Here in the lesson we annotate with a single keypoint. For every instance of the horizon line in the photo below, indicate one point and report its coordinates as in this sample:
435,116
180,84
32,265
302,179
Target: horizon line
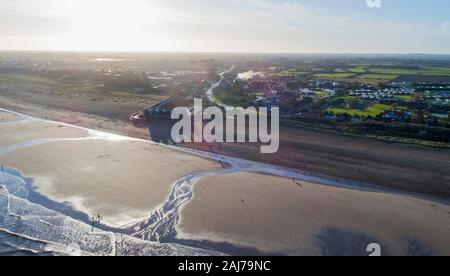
223,52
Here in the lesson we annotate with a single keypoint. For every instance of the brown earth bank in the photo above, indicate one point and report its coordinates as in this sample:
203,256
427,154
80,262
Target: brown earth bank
407,167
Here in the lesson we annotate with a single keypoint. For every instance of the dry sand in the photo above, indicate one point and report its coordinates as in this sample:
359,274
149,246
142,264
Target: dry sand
108,117
8,117
276,215
121,180
12,134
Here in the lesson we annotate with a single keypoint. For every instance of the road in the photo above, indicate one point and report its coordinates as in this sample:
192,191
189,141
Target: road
210,92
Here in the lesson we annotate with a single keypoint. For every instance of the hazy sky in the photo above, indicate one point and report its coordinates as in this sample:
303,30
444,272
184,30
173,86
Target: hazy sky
301,26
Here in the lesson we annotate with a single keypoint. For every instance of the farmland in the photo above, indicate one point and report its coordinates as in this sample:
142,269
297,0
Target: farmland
373,110
427,71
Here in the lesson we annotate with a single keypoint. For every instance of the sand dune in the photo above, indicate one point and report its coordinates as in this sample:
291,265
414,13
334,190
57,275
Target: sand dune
276,215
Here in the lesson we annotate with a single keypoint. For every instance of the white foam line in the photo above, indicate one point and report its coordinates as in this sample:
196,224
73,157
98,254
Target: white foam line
93,133
26,118
44,242
15,122
38,142
60,246
8,199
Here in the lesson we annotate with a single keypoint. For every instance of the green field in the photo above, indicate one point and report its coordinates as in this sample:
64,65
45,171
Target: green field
426,71
378,77
25,78
232,97
347,97
357,70
322,93
404,97
373,110
292,73
333,75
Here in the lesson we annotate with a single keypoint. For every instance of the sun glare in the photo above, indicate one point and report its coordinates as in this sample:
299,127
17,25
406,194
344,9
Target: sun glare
110,24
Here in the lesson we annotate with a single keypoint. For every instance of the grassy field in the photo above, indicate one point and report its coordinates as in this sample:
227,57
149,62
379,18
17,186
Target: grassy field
356,76
378,77
370,74
232,97
404,97
339,70
357,70
60,88
333,75
16,78
427,71
292,73
373,110
322,93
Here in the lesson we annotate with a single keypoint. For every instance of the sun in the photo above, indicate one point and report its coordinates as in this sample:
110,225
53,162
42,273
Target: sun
73,3
109,24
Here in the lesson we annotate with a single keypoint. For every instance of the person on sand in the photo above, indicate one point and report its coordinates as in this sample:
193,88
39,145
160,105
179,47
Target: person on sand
297,183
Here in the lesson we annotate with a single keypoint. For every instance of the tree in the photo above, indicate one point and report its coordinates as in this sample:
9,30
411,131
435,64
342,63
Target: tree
417,97
418,117
352,103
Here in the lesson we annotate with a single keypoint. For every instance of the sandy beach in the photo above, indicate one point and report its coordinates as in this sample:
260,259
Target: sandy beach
276,215
12,134
126,180
8,117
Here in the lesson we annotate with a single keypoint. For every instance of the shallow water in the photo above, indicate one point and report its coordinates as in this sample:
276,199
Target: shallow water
30,229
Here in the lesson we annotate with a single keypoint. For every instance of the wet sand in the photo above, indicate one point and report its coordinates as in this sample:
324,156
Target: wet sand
276,215
121,180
